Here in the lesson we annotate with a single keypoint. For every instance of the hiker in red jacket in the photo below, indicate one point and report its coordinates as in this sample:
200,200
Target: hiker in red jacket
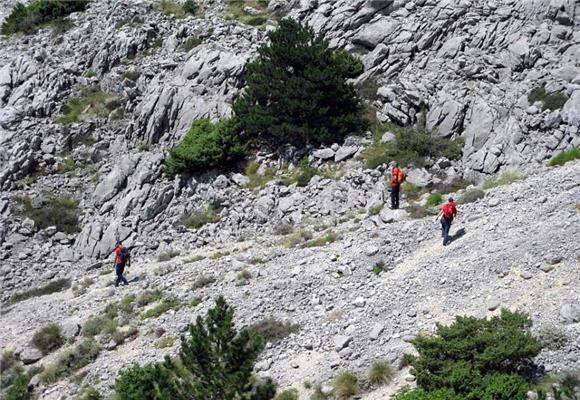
122,259
397,178
447,213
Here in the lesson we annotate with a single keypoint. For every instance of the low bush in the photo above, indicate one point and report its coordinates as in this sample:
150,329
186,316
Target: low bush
297,237
49,288
235,10
345,385
475,359
91,101
380,373
168,255
219,254
565,156
71,360
551,337
560,387
147,297
434,199
46,211
201,217
243,277
167,341
418,212
411,191
505,179
15,384
162,308
302,175
202,281
191,43
272,330
379,267
256,180
90,393
132,75
97,325
48,338
471,196
28,18
288,394
455,185
376,210
193,259
170,7
206,145
550,101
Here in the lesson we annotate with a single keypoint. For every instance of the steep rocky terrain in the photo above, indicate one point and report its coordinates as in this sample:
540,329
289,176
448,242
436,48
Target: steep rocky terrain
465,67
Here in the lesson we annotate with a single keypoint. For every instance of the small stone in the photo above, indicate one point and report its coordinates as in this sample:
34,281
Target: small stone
359,302
493,202
376,331
546,267
341,341
525,275
570,313
493,305
410,378
323,154
30,355
326,390
387,137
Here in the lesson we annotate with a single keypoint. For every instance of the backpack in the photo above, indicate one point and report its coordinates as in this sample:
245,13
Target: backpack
402,176
448,211
125,254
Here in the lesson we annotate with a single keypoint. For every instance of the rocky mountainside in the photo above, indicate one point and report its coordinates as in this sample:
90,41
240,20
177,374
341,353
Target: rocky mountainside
87,117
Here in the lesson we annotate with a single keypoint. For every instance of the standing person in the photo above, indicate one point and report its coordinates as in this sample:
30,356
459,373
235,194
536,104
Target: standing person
122,259
397,178
447,213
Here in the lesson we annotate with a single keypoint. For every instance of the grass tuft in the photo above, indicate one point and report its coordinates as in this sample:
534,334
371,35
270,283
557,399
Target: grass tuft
71,360
49,288
48,338
380,373
471,196
91,101
434,199
346,385
565,156
273,330
505,179
550,101
162,308
201,217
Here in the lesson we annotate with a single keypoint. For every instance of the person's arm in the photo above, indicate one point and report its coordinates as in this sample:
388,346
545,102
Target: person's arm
438,215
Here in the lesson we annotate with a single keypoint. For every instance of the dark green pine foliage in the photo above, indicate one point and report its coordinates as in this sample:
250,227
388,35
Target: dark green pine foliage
219,357
297,90
475,359
149,382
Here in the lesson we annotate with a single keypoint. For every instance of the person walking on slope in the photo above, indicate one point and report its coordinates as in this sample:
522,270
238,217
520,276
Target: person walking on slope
397,178
447,213
122,259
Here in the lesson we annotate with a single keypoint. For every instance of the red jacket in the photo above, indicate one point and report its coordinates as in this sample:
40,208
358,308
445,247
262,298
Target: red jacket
396,177
449,210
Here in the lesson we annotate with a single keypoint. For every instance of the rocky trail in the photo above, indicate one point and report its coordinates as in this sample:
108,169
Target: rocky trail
519,250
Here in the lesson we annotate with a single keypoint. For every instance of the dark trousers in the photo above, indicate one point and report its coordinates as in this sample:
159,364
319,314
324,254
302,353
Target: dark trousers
445,226
395,196
119,269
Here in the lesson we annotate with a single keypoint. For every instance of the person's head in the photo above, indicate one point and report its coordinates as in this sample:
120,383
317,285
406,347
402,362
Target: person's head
119,243
395,164
450,200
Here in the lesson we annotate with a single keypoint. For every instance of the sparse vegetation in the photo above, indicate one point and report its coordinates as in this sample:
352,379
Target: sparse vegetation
380,373
168,255
235,10
330,237
376,210
162,308
67,165
195,302
475,359
302,174
97,325
81,288
45,211
48,338
29,18
288,394
471,196
379,267
191,43
455,185
273,330
345,385
202,281
201,217
214,362
243,277
417,212
551,337
550,101
49,288
170,7
132,75
505,179
565,156
165,342
91,101
206,145
297,237
71,360
147,297
219,254
257,180
193,259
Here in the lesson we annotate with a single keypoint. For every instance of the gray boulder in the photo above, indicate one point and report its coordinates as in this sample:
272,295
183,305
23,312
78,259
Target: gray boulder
30,355
571,110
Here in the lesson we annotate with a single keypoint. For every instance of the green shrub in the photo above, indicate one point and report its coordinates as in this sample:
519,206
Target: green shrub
170,7
191,43
202,281
196,301
288,394
27,19
71,360
215,362
90,393
302,174
132,76
49,288
272,330
434,199
235,10
411,191
190,7
476,358
417,212
345,385
505,179
285,100
376,210
560,387
162,308
46,211
7,361
565,156
205,146
48,338
194,259
296,238
330,237
167,341
148,297
219,254
91,101
17,385
551,337
380,373
455,185
201,217
379,267
550,101
97,325
420,394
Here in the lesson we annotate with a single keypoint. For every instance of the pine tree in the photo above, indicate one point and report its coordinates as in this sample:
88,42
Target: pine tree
297,90
220,358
